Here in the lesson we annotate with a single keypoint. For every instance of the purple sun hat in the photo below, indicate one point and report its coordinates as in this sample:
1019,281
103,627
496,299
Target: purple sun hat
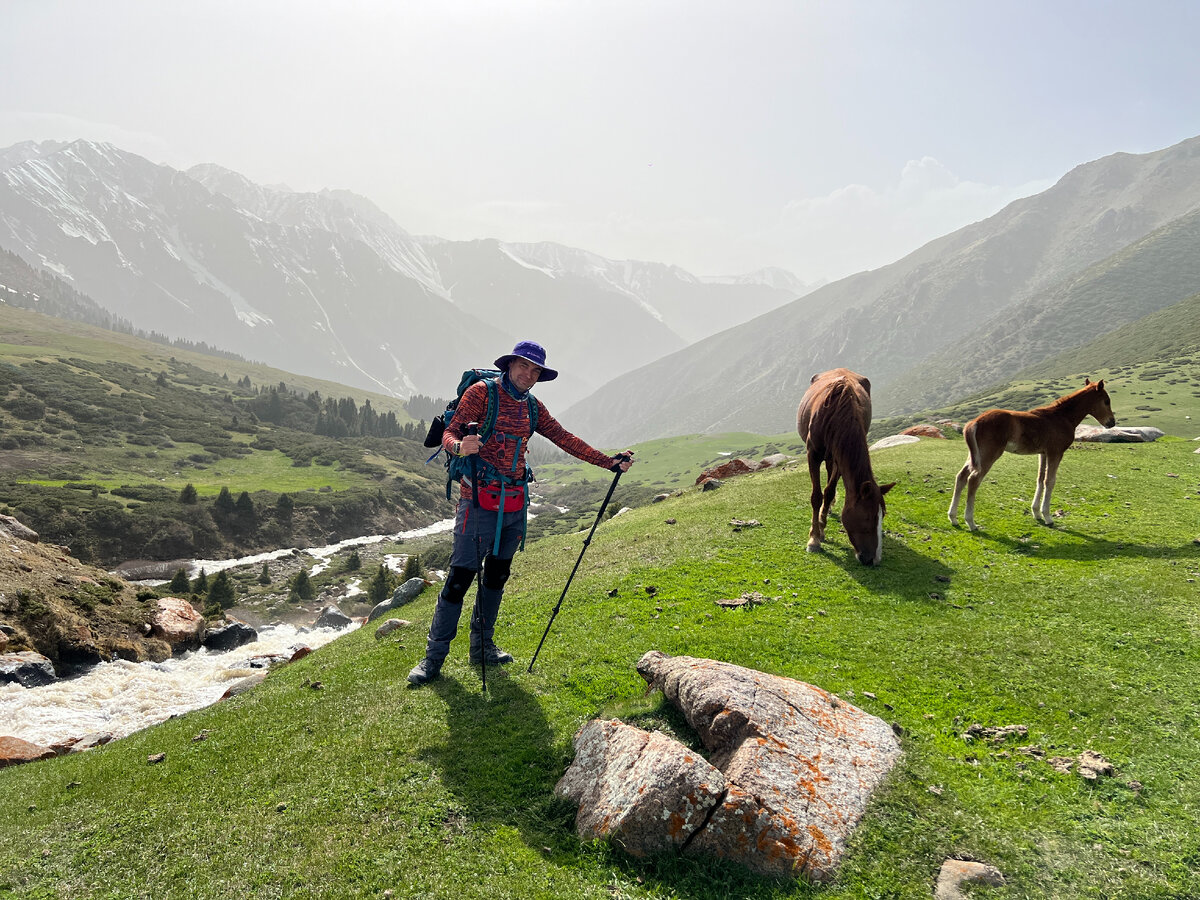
531,351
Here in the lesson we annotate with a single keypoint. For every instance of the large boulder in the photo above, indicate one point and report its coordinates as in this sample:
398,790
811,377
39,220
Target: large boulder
332,617
230,636
644,790
1142,434
796,768
14,751
894,440
177,623
727,469
929,431
406,593
27,669
19,530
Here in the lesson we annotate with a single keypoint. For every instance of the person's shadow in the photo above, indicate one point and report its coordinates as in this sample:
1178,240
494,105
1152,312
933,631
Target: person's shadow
499,760
501,763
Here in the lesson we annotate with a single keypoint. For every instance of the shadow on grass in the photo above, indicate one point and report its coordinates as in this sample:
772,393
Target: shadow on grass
902,571
1041,544
501,764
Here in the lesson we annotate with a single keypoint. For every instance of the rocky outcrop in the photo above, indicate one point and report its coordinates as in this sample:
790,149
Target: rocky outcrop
14,751
644,791
929,431
958,872
1138,435
73,614
727,469
406,593
894,440
790,771
18,530
27,669
229,636
332,617
177,623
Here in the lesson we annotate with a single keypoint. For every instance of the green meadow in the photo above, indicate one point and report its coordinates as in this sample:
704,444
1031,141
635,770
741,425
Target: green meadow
335,779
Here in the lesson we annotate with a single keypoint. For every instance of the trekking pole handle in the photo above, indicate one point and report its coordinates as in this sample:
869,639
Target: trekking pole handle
627,456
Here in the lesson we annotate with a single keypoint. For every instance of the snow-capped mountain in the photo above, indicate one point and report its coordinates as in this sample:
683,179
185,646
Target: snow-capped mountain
329,285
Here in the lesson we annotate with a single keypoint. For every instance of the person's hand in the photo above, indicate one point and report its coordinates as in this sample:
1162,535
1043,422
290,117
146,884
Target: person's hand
469,445
624,460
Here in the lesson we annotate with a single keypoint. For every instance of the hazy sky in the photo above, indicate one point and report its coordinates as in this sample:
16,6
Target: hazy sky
822,137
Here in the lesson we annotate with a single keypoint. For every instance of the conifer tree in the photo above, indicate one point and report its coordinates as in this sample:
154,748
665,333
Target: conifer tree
264,577
412,568
224,502
380,587
200,585
353,561
220,593
188,493
302,587
180,583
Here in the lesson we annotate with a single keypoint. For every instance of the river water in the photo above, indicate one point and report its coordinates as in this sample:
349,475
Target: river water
121,697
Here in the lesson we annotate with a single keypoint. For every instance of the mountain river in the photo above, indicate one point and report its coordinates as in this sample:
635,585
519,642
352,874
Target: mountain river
121,697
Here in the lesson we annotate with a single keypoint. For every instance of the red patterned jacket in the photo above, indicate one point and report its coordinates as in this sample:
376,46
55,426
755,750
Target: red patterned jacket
512,422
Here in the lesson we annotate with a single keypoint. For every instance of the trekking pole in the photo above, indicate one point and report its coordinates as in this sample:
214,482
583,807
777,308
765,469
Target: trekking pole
612,487
477,615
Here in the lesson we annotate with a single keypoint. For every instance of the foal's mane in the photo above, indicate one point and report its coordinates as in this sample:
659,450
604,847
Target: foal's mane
1063,401
844,431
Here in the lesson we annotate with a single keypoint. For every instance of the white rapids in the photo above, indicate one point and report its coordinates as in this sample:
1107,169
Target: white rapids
121,697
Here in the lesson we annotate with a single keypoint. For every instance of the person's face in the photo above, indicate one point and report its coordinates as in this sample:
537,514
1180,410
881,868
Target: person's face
524,374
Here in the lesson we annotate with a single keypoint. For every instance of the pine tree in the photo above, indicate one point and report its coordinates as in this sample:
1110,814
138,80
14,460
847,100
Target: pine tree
188,494
220,592
412,568
180,583
200,585
302,587
380,587
264,577
224,502
353,561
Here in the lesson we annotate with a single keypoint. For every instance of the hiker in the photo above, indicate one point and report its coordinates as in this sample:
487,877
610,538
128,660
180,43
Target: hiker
486,537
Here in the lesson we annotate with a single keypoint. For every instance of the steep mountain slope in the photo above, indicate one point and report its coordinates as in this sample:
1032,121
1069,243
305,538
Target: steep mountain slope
886,321
328,284
1150,274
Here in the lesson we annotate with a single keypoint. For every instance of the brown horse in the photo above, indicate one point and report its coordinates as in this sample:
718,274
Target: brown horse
833,419
1047,431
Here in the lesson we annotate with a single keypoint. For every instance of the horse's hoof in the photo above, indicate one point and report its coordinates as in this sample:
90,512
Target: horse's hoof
813,548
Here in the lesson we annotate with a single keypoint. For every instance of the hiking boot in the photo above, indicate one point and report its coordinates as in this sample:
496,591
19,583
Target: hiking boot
495,656
425,671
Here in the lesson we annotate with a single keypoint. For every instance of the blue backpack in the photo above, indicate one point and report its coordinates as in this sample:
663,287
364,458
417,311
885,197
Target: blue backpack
458,466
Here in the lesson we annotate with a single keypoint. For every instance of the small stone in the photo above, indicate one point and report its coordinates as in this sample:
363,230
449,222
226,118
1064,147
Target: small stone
202,736
155,758
280,807
651,590
670,521
317,686
613,592
935,789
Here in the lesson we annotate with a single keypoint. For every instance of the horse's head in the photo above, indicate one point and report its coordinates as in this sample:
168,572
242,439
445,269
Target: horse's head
1101,404
862,517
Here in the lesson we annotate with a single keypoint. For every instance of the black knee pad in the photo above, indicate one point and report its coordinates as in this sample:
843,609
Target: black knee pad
496,572
457,583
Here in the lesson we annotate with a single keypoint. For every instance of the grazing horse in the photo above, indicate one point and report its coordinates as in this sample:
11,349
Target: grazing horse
833,419
1047,431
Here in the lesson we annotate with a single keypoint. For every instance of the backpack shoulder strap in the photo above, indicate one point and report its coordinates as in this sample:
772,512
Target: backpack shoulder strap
533,414
488,425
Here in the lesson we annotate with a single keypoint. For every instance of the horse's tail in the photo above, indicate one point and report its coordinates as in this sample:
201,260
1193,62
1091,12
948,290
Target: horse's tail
972,446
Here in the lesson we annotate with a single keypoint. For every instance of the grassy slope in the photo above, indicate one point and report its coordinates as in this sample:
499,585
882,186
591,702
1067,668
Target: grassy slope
1086,633
30,335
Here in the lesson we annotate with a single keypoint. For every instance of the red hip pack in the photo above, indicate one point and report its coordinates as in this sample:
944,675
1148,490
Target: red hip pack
489,498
